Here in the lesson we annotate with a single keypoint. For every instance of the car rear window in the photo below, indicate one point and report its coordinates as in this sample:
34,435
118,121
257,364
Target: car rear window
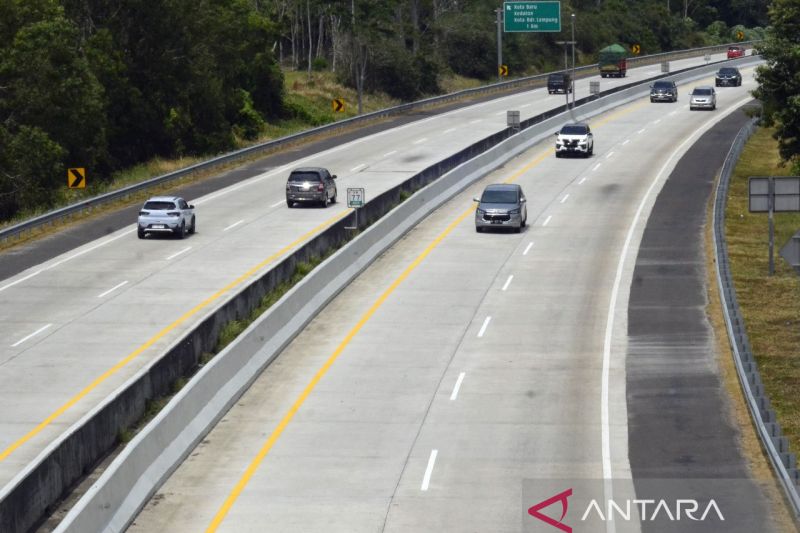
662,85
159,206
304,176
499,197
573,130
702,92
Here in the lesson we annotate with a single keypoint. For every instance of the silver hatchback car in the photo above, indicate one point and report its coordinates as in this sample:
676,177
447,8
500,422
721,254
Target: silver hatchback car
166,214
703,97
501,205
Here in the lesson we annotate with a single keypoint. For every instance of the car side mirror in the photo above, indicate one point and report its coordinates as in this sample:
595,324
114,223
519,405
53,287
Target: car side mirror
476,199
523,200
556,134
191,206
334,176
651,85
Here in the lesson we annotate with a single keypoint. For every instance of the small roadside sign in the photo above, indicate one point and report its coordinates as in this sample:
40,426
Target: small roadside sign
355,197
636,49
76,178
740,35
338,105
503,70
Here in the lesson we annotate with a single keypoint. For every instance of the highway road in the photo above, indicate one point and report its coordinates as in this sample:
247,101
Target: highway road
460,367
76,327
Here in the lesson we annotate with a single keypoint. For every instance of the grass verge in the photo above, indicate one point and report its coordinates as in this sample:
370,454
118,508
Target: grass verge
768,303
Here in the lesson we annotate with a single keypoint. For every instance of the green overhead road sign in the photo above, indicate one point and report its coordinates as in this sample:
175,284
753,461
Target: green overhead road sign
532,16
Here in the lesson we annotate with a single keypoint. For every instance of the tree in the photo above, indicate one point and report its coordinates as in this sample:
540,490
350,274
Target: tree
778,82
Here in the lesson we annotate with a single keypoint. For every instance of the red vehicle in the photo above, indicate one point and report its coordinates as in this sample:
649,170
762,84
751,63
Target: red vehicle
735,51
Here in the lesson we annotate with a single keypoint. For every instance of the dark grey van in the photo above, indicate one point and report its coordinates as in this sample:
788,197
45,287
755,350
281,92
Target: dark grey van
559,82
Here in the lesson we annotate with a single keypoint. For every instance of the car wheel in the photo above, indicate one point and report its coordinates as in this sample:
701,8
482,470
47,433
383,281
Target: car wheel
478,229
518,229
181,231
289,204
140,233
325,200
524,222
335,194
591,150
193,227
558,155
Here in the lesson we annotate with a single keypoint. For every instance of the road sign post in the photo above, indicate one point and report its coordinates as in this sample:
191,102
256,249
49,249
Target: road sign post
769,194
532,16
356,197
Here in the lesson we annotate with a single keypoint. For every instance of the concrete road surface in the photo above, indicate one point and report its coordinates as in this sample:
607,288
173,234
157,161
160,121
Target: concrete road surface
492,364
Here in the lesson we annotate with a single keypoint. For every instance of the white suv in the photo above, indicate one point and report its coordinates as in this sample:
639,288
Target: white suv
166,214
575,139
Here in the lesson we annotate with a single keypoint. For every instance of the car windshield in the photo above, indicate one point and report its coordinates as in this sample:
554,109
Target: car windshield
662,85
573,130
159,205
499,197
702,92
728,71
303,176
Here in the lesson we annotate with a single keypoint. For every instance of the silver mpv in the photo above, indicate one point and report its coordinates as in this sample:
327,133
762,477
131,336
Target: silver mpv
501,206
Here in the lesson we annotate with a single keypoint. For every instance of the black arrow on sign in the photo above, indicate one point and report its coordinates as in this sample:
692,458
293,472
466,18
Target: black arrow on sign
77,178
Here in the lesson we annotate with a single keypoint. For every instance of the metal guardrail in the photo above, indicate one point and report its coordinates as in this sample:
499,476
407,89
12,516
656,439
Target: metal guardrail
18,230
784,462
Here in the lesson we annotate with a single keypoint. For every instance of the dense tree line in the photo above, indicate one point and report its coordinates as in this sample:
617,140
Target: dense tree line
106,84
779,79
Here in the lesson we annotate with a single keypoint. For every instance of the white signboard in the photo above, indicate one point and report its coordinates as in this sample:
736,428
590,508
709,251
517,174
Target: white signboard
355,197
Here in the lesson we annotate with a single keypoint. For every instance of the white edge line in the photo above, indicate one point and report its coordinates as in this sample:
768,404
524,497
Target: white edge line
612,305
527,248
508,282
240,221
41,329
176,254
457,386
20,280
112,289
90,249
426,481
484,326
547,220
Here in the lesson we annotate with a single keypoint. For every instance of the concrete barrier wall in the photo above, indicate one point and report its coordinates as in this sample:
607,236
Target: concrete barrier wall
158,449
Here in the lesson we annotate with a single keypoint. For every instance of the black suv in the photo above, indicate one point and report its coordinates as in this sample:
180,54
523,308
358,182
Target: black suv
728,76
559,82
311,184
664,91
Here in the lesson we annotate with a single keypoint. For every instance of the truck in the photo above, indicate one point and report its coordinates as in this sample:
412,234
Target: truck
612,61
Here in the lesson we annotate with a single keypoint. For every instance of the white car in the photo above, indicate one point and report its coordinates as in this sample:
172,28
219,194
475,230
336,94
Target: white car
575,139
166,214
703,97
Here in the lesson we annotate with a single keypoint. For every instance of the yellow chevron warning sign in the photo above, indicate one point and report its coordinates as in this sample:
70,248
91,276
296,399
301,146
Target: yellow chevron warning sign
338,105
76,178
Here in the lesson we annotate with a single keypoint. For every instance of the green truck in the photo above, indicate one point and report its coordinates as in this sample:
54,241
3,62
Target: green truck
612,61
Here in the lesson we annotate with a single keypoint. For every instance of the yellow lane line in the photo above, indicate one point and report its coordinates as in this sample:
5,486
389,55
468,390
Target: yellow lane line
276,433
158,336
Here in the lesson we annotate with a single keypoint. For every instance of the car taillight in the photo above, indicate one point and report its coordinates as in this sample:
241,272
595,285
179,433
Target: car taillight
173,214
144,213
320,187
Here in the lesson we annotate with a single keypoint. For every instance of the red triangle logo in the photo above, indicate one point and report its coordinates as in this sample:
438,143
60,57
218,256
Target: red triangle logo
561,497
